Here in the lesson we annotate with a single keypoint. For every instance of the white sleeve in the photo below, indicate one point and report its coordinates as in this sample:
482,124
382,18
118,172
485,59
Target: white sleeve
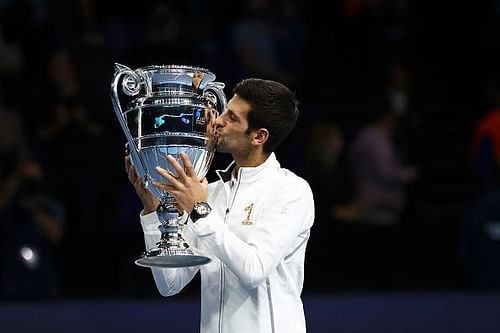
169,281
287,218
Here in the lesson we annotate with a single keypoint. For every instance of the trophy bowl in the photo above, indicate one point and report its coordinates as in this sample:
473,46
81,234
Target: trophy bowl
166,110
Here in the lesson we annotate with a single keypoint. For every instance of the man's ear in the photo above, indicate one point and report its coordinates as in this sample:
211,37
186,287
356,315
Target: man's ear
260,136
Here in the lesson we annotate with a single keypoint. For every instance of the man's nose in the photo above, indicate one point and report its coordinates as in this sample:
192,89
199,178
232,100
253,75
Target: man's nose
219,121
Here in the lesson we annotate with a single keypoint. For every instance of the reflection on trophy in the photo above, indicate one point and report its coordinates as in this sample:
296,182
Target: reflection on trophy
170,110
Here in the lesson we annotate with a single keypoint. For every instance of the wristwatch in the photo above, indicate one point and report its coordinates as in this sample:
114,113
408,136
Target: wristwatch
200,210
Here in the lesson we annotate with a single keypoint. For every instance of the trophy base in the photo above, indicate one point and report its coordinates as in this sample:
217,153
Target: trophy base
172,258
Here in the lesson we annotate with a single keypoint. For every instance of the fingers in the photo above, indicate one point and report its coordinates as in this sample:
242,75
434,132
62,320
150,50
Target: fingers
182,172
133,177
137,183
210,115
127,162
178,169
130,169
188,167
171,179
197,78
174,183
204,182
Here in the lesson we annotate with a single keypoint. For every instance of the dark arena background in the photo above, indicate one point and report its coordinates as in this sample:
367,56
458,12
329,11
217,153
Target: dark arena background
426,259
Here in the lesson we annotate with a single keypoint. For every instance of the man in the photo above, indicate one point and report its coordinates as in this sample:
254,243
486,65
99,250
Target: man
380,175
258,221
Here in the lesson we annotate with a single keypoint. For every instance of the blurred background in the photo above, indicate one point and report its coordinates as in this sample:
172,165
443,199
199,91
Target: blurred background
399,137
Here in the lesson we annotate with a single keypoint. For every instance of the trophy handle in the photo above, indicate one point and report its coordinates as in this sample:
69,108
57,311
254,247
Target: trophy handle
131,86
218,89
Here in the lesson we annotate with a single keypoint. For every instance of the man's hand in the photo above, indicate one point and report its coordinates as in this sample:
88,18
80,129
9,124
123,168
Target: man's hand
186,188
149,201
197,78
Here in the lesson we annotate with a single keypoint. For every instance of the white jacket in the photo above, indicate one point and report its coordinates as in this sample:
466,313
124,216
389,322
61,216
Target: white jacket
256,235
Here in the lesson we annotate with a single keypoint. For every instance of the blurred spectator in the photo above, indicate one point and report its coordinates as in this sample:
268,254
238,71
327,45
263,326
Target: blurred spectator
400,92
379,174
22,45
293,36
30,219
485,144
163,42
374,33
32,226
326,145
10,56
326,173
478,245
14,147
256,39
398,89
69,140
69,109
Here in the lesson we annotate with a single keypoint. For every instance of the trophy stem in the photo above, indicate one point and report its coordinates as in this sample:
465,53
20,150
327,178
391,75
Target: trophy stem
170,220
172,250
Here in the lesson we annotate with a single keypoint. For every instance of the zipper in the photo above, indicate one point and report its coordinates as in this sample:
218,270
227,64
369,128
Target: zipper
221,298
270,302
230,204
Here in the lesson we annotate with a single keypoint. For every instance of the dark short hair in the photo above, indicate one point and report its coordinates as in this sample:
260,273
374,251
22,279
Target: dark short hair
273,107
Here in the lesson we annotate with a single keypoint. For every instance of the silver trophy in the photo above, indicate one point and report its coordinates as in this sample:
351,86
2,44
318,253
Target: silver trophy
170,109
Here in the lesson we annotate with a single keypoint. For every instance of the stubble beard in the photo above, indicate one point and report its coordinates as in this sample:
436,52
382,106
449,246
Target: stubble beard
238,152
221,146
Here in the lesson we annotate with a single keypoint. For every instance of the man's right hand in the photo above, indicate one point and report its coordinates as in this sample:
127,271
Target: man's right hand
149,201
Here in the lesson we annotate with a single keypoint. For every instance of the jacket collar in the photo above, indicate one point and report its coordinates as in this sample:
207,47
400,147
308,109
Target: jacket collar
250,174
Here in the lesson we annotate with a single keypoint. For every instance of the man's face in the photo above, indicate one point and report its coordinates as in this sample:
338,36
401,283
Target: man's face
231,127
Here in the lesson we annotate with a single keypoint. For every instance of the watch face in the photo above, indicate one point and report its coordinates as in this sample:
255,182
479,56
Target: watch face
202,208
